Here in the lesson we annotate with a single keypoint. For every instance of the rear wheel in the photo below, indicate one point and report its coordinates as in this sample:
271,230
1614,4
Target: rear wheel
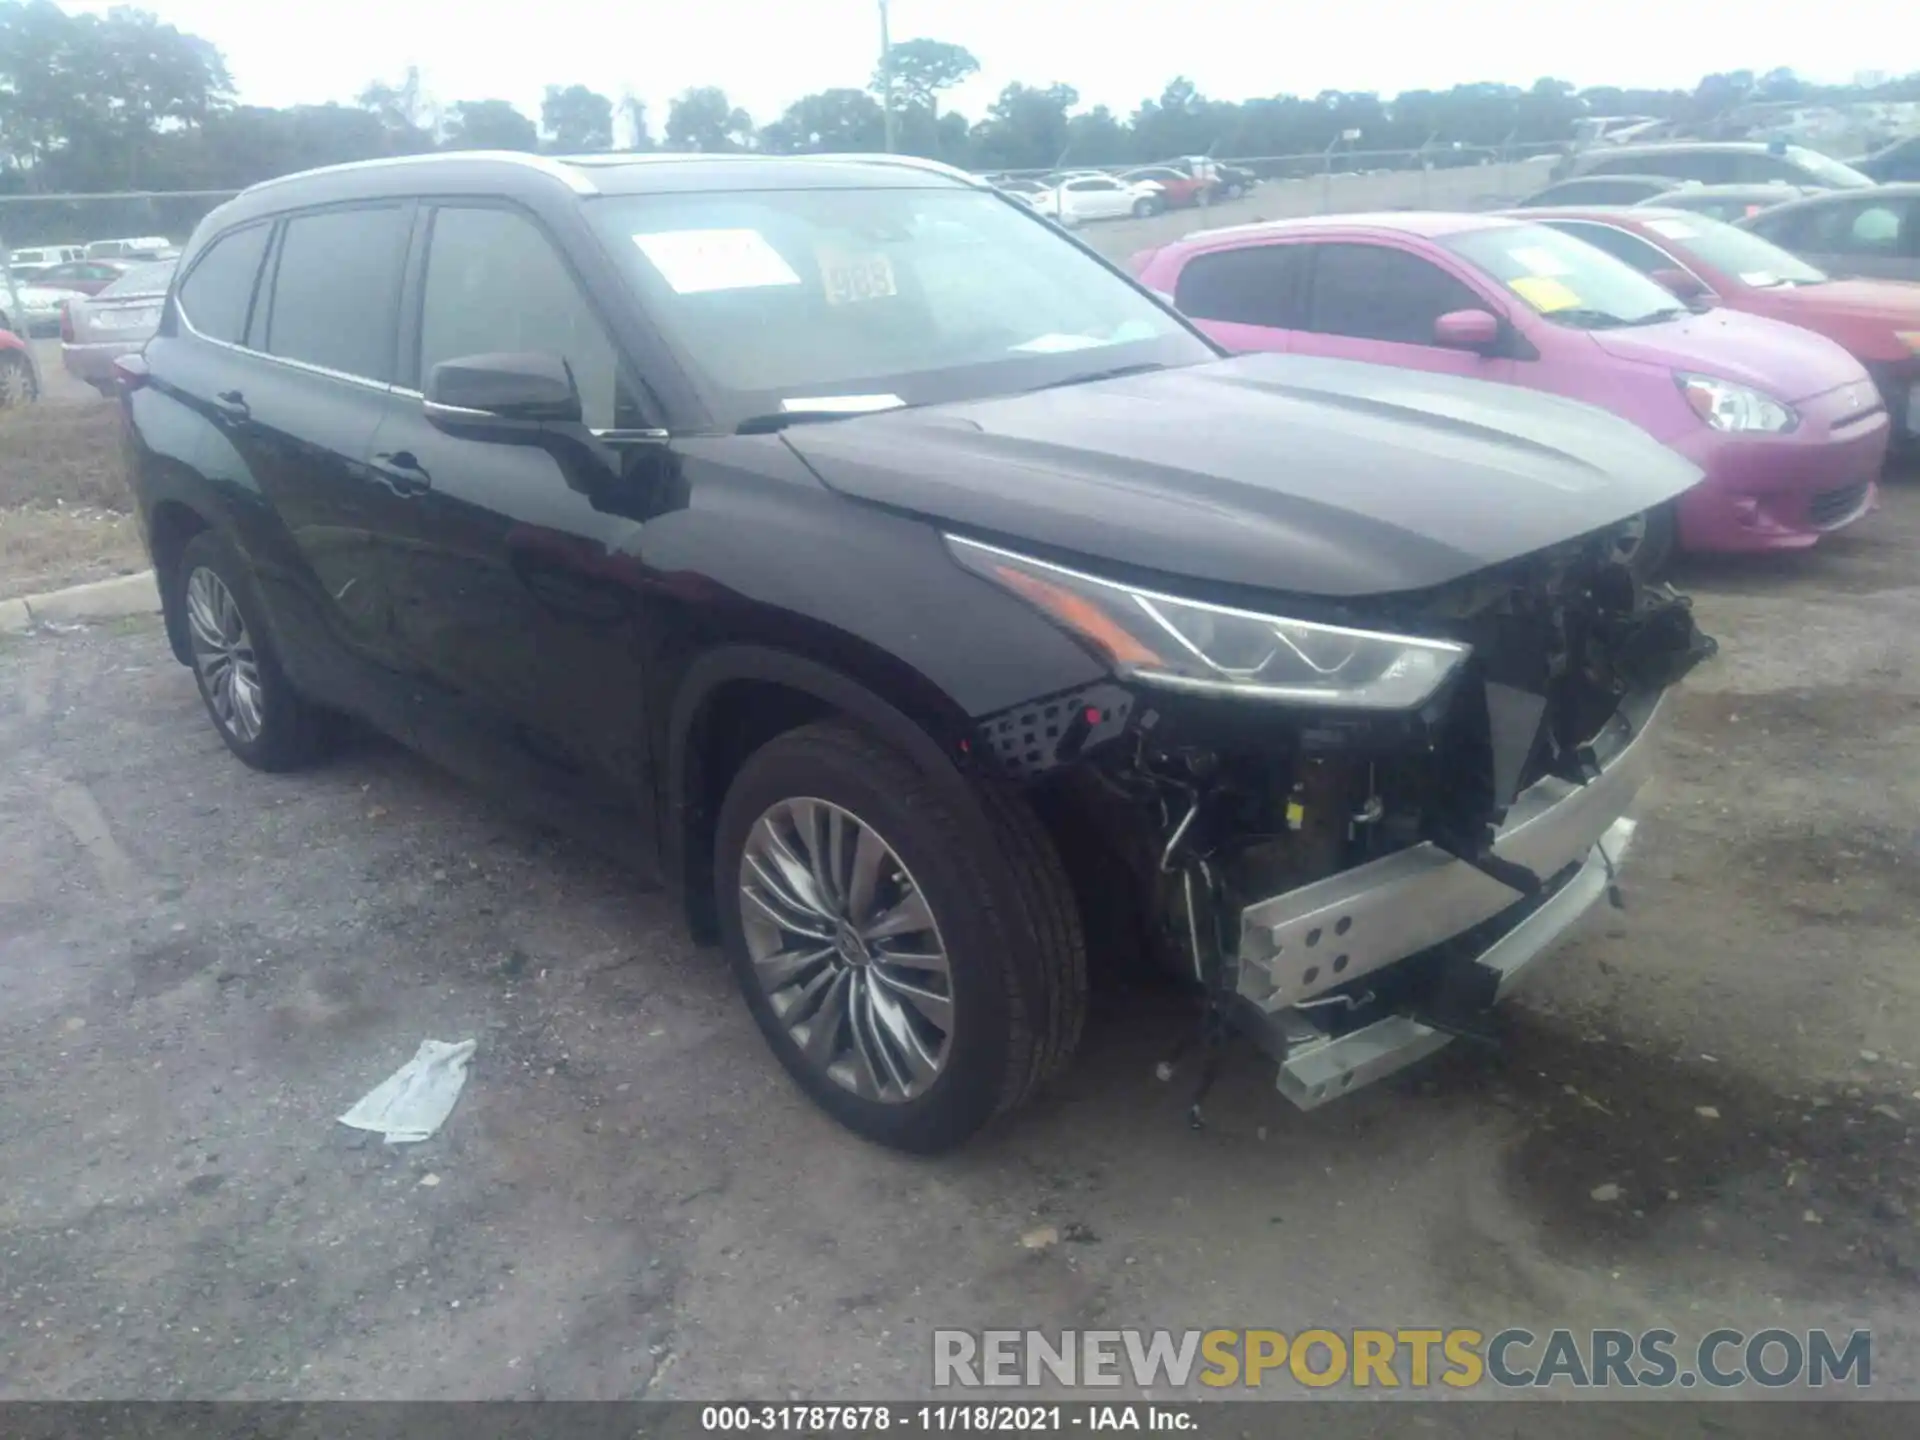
249,699
17,386
913,980
1646,543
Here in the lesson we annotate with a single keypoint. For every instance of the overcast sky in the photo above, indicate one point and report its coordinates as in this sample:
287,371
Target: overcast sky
766,53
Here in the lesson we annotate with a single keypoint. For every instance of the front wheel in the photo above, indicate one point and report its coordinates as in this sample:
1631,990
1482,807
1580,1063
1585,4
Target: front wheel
917,969
17,385
1142,208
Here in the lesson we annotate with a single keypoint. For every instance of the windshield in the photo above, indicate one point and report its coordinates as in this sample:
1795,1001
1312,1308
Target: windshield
1568,281
847,300
1740,253
1827,170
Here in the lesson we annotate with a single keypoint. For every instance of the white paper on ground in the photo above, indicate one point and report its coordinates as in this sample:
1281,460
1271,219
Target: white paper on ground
416,1099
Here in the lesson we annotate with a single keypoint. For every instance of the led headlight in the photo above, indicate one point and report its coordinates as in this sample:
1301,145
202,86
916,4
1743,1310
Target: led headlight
1215,650
1726,406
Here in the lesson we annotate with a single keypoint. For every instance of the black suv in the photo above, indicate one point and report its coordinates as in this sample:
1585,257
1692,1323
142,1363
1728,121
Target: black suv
926,600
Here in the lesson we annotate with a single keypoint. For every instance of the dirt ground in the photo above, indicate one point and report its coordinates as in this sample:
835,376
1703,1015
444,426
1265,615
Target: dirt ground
201,967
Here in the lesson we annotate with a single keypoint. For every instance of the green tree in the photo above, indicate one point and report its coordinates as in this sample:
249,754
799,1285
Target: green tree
489,125
577,120
842,121
1026,128
921,70
702,119
404,111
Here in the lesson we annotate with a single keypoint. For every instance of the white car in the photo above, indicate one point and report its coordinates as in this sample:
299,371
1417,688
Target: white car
138,247
1079,198
39,312
39,257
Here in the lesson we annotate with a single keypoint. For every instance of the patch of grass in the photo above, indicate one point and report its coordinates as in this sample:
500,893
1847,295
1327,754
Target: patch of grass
53,455
45,549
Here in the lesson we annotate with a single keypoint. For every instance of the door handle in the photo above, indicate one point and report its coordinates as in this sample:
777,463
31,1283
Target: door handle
233,405
401,473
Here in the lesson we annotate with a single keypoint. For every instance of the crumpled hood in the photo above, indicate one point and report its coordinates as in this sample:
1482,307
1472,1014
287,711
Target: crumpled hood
1770,356
1290,473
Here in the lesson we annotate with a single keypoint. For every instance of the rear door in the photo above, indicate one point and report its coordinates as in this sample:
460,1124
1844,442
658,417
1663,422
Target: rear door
1247,298
1377,302
293,402
516,567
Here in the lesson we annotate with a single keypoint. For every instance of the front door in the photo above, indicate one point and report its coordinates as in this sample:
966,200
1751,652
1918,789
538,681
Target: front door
518,587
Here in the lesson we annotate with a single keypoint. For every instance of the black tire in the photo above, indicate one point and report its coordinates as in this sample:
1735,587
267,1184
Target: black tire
1005,912
17,385
1648,560
1142,208
293,732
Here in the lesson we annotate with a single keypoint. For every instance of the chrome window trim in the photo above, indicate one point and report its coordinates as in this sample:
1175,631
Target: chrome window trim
303,366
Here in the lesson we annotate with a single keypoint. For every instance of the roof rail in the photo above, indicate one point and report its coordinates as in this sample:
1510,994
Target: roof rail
566,174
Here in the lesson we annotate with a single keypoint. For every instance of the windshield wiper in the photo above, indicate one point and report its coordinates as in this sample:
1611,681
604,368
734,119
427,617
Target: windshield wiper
1582,318
1655,317
1088,377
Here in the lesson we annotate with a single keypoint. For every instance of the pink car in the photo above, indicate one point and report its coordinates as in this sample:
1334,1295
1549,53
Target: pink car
1786,425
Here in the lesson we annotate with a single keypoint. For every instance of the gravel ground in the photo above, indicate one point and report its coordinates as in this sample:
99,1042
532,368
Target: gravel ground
201,967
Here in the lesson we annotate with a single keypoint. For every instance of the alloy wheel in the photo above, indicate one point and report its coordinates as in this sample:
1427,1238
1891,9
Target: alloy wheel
223,654
16,383
846,950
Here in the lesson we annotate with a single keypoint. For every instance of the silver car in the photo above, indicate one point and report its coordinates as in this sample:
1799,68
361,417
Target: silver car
98,329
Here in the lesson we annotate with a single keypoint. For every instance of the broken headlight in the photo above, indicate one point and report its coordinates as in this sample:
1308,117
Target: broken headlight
1214,650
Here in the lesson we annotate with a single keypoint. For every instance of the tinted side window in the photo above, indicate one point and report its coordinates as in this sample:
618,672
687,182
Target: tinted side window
218,292
336,290
495,283
1642,256
1253,286
1759,169
1373,292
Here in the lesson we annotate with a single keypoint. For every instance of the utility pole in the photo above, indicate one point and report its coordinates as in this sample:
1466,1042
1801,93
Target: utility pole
886,76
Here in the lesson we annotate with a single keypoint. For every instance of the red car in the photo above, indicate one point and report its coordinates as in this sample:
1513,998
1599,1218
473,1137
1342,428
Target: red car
1704,261
17,385
89,277
1178,187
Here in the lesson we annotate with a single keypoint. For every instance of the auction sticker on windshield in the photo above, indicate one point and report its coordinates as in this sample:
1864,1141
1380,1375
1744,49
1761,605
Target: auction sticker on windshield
696,261
1544,293
850,278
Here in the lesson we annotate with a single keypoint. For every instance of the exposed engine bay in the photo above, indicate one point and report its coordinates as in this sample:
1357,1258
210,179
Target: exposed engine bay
1209,833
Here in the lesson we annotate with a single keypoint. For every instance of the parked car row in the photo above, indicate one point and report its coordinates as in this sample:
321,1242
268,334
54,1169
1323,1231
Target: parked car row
1783,386
1075,196
44,291
31,262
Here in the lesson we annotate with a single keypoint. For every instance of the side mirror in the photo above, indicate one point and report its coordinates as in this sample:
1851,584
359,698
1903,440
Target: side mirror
500,397
1467,330
1679,284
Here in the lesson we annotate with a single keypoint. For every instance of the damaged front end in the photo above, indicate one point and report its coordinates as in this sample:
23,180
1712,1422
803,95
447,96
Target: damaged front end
1357,833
